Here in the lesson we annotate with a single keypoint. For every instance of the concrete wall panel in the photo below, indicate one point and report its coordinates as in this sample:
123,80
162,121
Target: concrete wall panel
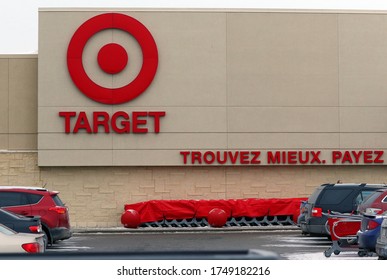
23,77
283,119
282,59
4,95
23,142
363,119
363,63
284,141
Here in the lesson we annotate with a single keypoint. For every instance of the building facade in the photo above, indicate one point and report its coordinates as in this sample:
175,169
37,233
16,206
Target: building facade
123,106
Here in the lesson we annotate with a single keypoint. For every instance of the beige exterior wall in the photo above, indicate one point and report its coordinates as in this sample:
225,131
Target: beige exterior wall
19,104
227,80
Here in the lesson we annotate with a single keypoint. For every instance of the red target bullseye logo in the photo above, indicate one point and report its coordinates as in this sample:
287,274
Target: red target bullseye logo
112,58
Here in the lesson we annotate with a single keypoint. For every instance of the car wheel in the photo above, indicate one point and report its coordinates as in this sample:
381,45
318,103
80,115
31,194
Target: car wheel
327,253
362,253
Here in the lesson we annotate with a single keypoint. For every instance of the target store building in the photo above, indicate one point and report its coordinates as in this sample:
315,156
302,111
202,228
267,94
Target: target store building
124,106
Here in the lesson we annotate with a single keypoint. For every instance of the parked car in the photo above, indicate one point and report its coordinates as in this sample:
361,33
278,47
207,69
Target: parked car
13,242
381,243
20,223
372,210
375,204
339,198
368,233
34,201
301,217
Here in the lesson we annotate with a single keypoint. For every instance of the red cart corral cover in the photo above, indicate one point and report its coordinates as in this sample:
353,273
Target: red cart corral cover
158,210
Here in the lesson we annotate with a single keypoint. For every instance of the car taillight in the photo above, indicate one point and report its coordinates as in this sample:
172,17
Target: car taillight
36,228
372,225
31,247
316,212
59,209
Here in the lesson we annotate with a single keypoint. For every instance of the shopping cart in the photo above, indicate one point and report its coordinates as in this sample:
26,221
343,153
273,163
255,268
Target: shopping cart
343,229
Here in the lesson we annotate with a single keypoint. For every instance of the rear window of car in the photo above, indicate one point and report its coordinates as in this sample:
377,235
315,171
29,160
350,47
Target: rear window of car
57,200
13,199
34,198
334,196
313,197
370,199
364,195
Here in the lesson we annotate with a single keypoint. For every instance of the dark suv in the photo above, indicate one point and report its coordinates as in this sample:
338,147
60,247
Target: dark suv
342,198
33,201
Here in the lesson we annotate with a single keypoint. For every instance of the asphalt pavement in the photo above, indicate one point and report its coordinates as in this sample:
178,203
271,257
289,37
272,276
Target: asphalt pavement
286,241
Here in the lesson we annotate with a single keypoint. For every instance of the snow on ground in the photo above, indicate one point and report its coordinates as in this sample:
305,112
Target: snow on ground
320,256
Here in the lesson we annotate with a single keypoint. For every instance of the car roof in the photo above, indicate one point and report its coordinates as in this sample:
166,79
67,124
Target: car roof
365,185
381,191
23,188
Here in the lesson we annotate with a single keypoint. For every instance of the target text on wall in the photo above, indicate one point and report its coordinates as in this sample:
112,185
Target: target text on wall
120,122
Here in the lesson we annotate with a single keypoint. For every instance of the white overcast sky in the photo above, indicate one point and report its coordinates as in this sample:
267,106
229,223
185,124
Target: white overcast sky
19,18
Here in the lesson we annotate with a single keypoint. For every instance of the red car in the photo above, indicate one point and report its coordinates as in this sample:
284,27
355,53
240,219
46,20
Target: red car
33,201
375,204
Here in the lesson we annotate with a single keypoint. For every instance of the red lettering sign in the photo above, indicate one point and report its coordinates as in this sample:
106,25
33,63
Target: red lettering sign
281,157
120,122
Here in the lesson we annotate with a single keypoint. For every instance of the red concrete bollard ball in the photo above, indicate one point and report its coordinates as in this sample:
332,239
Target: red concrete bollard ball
217,217
130,219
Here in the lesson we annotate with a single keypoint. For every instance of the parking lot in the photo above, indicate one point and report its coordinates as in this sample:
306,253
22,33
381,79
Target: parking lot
288,244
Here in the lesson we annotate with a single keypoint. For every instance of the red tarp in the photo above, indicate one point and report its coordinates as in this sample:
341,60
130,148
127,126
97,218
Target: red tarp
158,210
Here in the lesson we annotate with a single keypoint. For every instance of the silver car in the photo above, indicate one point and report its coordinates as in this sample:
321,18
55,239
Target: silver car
13,242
